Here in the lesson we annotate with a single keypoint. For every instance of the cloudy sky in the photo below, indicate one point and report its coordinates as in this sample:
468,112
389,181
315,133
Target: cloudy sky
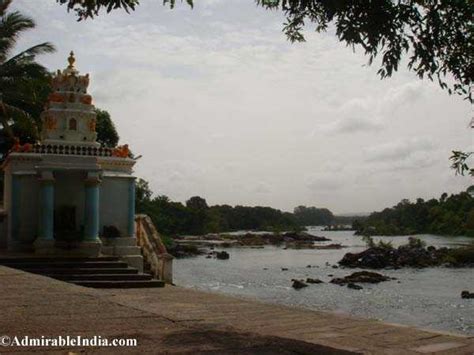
222,106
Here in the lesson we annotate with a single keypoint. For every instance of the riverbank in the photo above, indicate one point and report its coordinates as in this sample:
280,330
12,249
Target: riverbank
178,320
186,246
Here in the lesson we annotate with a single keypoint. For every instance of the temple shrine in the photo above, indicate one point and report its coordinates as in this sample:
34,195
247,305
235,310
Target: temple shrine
68,195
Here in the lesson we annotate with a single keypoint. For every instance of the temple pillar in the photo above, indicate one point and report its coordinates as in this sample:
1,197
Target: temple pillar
46,221
91,208
45,243
15,205
131,208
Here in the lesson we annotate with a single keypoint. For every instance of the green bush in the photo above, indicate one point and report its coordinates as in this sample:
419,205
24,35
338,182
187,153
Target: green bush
167,241
416,242
463,255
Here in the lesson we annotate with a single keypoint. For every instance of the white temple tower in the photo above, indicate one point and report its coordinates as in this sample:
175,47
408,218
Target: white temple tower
69,117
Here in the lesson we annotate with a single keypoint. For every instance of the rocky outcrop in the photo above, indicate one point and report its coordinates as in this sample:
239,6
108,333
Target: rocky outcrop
222,255
329,246
298,284
408,255
361,277
295,240
184,250
302,236
354,286
313,281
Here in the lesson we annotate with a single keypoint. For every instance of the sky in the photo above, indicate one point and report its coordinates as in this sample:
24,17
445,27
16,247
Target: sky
221,105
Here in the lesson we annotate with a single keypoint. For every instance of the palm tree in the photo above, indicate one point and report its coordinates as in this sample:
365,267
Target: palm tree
24,83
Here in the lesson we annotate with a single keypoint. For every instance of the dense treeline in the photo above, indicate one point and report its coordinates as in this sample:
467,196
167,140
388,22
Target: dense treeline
450,215
196,217
312,216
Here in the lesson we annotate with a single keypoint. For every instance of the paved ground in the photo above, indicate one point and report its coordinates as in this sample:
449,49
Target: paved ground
176,320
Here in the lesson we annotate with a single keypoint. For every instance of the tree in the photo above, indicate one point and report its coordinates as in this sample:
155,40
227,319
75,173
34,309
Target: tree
459,162
106,133
143,194
24,84
312,216
197,203
450,215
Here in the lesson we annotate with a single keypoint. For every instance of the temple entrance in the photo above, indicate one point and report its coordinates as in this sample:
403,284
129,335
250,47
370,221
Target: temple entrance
65,227
69,205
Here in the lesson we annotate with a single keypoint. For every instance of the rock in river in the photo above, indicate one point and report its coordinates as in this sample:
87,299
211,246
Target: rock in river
354,286
222,255
329,246
313,281
298,284
362,277
467,294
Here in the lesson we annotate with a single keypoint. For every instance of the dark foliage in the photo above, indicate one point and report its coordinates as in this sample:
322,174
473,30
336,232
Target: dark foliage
453,215
24,83
307,216
196,217
106,133
459,162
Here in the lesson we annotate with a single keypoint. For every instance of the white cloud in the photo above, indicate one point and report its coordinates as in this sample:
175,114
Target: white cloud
221,105
324,182
399,150
262,188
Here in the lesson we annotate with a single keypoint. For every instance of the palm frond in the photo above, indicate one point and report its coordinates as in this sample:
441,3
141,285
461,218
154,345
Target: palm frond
11,26
4,6
20,66
23,121
30,53
16,74
24,83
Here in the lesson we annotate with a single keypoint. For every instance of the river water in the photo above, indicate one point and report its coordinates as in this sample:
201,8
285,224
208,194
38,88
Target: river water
429,298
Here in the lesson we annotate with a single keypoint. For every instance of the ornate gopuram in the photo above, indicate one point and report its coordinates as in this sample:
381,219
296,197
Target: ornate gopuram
68,195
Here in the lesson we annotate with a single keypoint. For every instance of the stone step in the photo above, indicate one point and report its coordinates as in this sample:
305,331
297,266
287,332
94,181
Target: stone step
82,271
101,272
99,277
19,260
66,264
121,241
120,284
121,250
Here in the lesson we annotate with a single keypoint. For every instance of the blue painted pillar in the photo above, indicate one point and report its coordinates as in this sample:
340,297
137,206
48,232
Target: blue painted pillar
15,207
91,208
46,222
46,205
131,208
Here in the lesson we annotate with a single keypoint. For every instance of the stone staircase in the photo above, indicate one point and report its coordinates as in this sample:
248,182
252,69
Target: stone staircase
98,272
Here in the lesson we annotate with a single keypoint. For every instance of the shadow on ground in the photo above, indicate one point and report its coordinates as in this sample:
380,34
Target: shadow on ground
231,342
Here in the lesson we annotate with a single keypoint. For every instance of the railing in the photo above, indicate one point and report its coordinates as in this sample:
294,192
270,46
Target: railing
64,149
153,249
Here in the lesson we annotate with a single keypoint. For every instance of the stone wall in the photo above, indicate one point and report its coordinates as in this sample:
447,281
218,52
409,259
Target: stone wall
114,196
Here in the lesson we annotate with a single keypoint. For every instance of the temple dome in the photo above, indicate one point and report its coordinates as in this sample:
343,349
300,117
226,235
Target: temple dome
69,116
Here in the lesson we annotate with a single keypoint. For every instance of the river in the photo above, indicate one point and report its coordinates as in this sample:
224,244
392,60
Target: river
428,298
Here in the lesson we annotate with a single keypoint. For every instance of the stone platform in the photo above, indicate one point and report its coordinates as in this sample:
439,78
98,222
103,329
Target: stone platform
177,320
